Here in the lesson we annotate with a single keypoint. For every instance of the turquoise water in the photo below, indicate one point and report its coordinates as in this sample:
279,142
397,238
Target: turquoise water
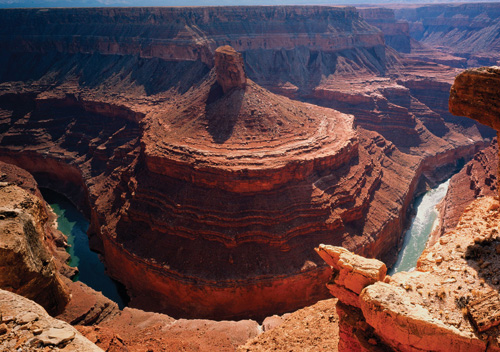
91,270
421,227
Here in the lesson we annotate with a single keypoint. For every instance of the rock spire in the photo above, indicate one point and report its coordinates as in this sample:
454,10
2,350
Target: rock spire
229,68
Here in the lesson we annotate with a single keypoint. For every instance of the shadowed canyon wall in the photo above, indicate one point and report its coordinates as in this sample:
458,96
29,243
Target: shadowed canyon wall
206,198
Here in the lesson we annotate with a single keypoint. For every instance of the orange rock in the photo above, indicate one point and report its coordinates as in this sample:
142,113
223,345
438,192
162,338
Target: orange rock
229,68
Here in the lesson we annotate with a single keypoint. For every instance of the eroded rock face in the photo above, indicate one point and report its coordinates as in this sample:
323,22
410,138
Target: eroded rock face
464,31
427,309
475,94
478,178
26,265
396,33
229,68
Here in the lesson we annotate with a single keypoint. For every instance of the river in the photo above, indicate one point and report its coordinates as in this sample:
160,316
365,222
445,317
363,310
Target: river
91,270
422,224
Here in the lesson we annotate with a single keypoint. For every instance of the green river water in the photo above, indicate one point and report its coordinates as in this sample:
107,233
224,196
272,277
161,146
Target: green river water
421,227
91,270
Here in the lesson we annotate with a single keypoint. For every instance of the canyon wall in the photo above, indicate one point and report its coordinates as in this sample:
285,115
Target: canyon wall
468,31
206,199
450,302
477,179
26,265
328,39
396,33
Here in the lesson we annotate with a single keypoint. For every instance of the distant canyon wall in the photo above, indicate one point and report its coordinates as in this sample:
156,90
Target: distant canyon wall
279,43
469,30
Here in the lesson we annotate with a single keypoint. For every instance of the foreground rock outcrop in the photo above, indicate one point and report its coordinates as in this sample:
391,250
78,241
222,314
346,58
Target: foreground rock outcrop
26,326
430,309
475,94
26,265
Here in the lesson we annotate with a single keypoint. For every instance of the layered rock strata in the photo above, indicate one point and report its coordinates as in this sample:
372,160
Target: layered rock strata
464,31
202,193
477,179
396,32
325,36
475,94
450,302
89,311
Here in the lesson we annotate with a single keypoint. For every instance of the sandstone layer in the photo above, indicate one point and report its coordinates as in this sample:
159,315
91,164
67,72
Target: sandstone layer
434,308
450,302
89,311
199,194
313,328
475,94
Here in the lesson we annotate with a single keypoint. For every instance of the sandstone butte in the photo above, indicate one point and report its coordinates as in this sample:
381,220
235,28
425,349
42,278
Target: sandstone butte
207,192
451,301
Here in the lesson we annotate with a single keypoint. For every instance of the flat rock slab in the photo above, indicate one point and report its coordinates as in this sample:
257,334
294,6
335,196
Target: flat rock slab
56,336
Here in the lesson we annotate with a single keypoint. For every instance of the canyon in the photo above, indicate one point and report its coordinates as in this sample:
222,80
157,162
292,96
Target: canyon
450,302
214,148
466,34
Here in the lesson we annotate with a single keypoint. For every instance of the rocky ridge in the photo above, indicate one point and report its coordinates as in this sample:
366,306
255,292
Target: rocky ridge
477,179
396,32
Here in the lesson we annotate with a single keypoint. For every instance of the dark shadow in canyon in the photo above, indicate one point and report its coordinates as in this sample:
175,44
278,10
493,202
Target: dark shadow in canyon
117,72
222,111
483,257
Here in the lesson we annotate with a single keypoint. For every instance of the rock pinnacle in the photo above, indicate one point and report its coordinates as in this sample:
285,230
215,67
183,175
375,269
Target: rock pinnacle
229,68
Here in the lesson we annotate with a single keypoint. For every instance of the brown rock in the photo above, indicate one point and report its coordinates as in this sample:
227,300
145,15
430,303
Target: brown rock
56,336
407,325
55,333
229,68
26,266
197,197
475,94
271,322
312,328
485,311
